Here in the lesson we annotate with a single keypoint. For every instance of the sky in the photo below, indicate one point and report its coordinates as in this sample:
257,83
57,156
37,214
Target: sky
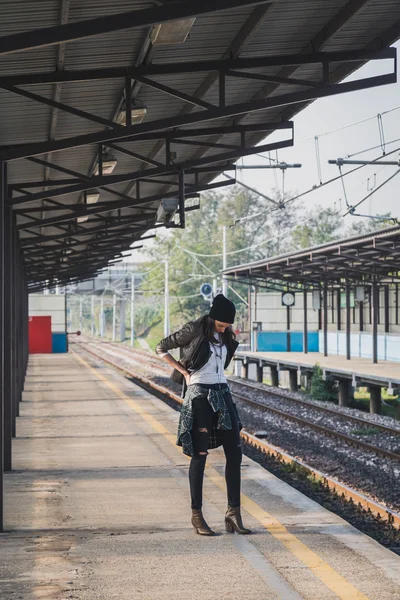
325,119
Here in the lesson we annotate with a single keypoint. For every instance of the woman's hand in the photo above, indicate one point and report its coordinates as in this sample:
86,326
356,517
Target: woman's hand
187,377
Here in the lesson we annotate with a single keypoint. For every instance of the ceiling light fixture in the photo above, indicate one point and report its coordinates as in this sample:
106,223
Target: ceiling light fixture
138,112
92,197
172,32
109,164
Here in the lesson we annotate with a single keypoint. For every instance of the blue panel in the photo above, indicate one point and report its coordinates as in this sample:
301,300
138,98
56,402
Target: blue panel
296,341
276,341
272,341
59,342
313,341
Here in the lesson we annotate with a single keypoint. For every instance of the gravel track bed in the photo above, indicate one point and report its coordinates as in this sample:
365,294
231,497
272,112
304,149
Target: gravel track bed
334,422
375,476
379,419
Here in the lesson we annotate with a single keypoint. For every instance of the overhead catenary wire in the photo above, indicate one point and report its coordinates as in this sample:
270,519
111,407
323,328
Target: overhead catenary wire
352,208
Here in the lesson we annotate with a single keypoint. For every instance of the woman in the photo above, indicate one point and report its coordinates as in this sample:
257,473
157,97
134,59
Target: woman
208,417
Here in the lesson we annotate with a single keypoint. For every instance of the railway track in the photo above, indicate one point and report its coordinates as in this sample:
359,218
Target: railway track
282,414
354,496
323,409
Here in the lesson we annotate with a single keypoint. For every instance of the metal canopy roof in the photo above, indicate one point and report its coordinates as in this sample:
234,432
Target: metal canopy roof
244,70
363,260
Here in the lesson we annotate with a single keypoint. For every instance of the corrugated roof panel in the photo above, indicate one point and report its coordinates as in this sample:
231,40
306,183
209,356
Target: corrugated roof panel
287,27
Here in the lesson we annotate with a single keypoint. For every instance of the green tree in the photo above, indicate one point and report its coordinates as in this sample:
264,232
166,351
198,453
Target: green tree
365,226
320,225
195,253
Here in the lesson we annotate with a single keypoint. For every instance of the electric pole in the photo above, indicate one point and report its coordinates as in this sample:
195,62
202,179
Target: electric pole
132,310
166,301
224,279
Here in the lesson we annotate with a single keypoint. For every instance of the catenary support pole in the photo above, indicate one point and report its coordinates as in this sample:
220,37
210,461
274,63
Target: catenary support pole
132,309
122,315
101,316
92,323
166,300
80,313
224,263
114,321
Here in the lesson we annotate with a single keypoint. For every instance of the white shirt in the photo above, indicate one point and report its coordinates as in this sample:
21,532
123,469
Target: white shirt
213,370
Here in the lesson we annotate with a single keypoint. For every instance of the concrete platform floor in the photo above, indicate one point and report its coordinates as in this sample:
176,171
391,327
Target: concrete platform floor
98,508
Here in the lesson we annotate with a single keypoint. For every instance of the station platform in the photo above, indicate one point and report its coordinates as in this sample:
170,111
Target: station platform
360,370
97,508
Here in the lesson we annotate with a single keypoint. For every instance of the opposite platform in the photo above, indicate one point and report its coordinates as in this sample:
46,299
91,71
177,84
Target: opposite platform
98,508
361,370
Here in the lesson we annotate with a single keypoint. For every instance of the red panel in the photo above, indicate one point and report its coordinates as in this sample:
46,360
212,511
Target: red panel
40,341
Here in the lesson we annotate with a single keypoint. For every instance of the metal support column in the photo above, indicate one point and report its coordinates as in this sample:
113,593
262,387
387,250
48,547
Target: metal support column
325,301
339,309
7,343
288,329
305,324
348,323
386,308
361,315
2,229
375,310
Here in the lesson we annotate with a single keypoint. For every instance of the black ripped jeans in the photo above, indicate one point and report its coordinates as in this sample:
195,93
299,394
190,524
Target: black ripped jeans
204,421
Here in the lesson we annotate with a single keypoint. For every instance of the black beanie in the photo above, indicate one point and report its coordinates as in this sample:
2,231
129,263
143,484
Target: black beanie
222,310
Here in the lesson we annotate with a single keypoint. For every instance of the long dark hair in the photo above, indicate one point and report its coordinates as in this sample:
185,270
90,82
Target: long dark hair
209,331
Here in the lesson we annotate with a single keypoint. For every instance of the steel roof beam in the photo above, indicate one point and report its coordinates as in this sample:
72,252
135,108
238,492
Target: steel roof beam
49,36
64,107
112,206
207,66
80,176
84,231
100,181
199,116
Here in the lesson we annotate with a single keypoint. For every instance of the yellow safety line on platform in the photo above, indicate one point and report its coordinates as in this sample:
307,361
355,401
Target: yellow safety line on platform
321,569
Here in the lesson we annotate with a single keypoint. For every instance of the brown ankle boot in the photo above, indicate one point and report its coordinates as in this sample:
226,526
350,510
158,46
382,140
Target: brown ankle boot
233,521
199,523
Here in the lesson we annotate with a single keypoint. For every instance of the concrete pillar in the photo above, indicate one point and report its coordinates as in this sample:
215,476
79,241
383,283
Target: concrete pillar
260,372
375,400
293,380
274,376
344,396
245,370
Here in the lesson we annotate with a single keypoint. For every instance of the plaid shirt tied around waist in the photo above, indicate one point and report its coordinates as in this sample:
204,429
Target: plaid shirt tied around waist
217,399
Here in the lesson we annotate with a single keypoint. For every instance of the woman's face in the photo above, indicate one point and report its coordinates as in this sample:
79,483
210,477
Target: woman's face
220,326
